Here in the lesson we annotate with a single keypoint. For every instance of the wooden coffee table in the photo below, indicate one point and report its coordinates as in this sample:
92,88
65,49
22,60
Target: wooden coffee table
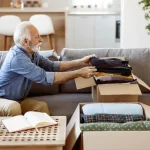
48,138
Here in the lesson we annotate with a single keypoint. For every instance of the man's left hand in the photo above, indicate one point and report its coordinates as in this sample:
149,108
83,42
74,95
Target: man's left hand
86,60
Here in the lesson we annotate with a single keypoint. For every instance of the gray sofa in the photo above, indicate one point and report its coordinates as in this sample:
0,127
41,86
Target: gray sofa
63,99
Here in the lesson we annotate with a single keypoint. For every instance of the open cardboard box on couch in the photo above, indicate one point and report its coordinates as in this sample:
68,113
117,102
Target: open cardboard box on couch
118,92
106,140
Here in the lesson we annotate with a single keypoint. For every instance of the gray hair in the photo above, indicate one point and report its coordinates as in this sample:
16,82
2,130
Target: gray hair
22,32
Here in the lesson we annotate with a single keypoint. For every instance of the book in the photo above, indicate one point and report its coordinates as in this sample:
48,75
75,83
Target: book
30,120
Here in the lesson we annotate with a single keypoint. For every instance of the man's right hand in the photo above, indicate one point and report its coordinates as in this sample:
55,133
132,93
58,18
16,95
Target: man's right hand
87,72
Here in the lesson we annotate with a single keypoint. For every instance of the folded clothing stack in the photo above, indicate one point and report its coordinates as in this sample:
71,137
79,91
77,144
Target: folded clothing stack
111,65
105,126
117,118
104,78
112,70
112,112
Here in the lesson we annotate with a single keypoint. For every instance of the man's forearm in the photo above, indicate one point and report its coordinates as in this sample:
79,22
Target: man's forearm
66,65
61,77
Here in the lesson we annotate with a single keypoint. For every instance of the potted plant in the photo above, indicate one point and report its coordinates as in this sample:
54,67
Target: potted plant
146,8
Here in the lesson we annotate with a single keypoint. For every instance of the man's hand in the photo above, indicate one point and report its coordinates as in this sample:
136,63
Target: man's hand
87,72
86,60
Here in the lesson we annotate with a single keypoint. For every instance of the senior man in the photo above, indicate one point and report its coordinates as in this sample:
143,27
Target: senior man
23,64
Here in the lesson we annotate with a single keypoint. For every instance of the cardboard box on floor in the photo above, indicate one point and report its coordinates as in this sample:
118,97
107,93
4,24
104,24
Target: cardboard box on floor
106,140
121,92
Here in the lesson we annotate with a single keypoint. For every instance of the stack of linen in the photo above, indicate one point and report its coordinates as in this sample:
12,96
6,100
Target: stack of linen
112,70
113,117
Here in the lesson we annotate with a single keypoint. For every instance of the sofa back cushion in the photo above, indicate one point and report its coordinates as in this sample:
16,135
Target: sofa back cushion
70,87
39,89
138,58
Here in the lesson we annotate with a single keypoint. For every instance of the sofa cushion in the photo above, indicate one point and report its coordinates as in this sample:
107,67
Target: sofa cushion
138,58
64,104
70,87
50,54
40,90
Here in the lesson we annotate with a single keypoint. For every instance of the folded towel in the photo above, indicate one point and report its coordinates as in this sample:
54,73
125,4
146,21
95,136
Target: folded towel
107,126
112,108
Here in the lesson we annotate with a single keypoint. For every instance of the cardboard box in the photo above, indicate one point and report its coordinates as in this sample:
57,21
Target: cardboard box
106,140
121,92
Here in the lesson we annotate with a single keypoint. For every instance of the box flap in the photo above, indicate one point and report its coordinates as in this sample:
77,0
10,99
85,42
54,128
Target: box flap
84,83
146,110
119,89
73,130
141,82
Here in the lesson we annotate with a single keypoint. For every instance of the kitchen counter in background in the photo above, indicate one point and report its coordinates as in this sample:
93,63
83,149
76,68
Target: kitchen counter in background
92,28
37,9
92,12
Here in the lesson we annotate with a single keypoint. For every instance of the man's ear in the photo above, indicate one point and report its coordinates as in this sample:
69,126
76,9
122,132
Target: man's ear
26,42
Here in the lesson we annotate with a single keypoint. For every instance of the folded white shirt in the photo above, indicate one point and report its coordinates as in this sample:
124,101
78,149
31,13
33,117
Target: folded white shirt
112,108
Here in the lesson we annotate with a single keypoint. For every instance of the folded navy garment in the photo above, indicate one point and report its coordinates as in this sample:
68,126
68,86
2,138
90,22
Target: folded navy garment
111,65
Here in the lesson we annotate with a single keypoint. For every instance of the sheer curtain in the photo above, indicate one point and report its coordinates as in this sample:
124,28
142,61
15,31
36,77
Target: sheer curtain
91,2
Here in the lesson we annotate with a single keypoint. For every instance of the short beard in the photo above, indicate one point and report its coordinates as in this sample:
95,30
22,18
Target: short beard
34,48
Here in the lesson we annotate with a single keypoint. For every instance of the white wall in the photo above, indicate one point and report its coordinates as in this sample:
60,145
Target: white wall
55,4
133,32
116,5
59,3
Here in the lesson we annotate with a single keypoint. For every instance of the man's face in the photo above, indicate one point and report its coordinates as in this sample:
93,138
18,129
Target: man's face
36,39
